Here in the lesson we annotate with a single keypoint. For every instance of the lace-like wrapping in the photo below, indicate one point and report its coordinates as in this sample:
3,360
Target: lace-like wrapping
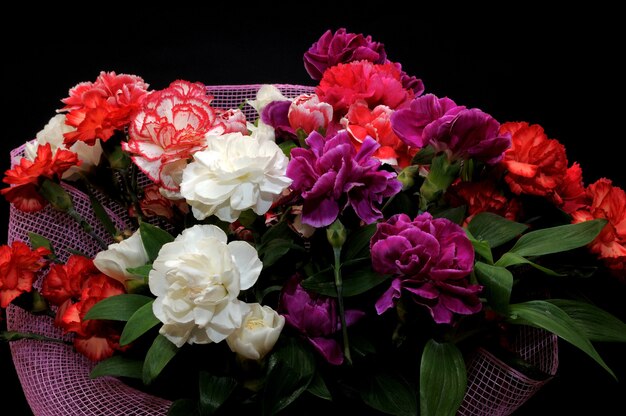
55,378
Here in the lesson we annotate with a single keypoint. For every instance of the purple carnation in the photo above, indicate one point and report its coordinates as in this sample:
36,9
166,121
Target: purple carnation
431,260
275,114
315,317
341,47
331,175
470,133
409,123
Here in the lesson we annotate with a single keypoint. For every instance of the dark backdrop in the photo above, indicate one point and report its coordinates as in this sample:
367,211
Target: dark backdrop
561,71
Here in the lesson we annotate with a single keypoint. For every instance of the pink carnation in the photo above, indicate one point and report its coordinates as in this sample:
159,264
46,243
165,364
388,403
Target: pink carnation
170,127
376,84
306,112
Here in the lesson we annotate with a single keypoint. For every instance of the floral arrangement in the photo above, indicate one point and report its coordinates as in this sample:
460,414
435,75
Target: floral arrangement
344,247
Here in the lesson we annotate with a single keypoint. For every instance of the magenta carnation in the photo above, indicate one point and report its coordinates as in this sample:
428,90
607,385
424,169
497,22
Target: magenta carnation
315,317
331,175
469,133
431,260
409,123
340,48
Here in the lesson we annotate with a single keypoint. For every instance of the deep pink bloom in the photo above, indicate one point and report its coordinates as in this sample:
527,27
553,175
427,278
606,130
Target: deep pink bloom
409,123
340,48
316,317
331,175
376,84
276,114
431,260
470,133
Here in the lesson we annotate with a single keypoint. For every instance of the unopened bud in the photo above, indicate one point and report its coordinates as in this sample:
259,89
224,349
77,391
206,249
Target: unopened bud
336,234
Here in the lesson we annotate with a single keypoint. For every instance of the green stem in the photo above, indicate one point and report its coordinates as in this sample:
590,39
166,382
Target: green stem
342,312
131,189
10,336
86,227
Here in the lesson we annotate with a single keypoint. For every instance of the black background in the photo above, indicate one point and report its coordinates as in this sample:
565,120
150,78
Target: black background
560,70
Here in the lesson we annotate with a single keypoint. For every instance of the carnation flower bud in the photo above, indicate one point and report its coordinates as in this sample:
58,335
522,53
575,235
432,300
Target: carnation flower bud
407,176
336,234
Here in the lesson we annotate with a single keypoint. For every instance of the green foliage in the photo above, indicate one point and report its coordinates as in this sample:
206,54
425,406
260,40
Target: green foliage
117,308
390,394
153,238
160,353
118,366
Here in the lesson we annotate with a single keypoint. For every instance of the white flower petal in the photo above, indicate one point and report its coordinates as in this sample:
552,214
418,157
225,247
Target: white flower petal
247,260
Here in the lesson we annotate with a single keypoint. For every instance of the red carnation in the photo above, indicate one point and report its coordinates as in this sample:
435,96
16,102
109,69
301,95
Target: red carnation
608,202
97,109
65,281
536,165
18,265
483,196
26,177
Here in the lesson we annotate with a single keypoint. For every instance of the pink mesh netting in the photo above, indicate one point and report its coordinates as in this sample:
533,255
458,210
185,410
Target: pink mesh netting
55,378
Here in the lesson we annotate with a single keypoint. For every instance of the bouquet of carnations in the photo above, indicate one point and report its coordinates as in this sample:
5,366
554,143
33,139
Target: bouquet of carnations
284,248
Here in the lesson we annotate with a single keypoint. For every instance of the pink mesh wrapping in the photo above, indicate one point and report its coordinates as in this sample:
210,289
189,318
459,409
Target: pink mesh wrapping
55,378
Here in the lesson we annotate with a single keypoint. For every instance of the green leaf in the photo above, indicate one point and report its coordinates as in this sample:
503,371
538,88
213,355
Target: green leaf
481,248
597,324
117,308
443,379
102,216
138,324
424,156
494,229
390,394
512,259
56,195
354,283
184,407
558,239
287,146
118,366
153,239
542,314
141,271
291,370
456,214
498,283
276,249
358,243
37,241
214,391
159,354
318,388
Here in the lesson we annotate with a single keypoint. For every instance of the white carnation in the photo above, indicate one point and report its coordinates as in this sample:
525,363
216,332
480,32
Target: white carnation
196,279
266,94
234,173
53,133
258,334
118,257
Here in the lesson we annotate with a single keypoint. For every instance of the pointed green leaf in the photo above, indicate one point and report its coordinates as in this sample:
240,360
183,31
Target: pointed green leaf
214,391
545,315
597,324
456,214
354,283
498,283
276,249
291,370
184,407
118,366
159,354
481,248
56,195
37,241
287,146
153,238
358,243
558,239
494,229
117,308
102,215
318,388
390,394
512,259
138,324
443,379
141,271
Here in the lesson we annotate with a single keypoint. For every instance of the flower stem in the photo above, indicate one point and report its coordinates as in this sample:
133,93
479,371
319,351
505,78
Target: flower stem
342,313
86,227
9,336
